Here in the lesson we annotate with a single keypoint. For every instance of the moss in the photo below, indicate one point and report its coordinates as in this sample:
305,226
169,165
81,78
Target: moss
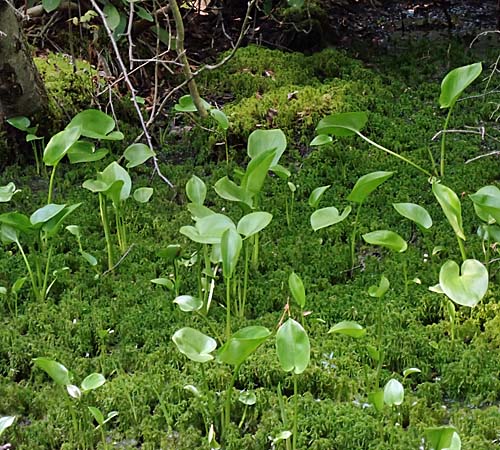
71,84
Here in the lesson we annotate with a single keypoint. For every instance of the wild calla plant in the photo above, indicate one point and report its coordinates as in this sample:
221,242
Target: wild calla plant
115,184
34,238
294,351
452,87
7,192
62,377
443,438
23,123
350,124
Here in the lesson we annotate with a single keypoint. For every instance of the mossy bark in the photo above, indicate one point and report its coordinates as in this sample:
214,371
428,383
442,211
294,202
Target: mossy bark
21,88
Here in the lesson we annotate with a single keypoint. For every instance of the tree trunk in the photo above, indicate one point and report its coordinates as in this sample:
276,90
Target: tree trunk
21,88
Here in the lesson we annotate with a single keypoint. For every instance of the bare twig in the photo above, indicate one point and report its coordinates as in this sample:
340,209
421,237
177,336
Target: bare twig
131,89
497,152
480,131
119,261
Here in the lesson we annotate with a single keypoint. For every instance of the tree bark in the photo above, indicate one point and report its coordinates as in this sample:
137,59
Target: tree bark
21,88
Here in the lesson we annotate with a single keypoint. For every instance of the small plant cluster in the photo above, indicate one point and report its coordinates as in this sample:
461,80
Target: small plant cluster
224,260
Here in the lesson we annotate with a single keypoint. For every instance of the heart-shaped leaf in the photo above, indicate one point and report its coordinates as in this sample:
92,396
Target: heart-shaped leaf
321,139
59,145
443,438
187,303
487,204
297,289
293,347
22,123
467,288
6,422
44,214
387,239
17,221
456,81
54,370
242,344
230,244
112,16
253,223
196,190
380,290
137,154
451,207
194,344
316,195
7,192
394,393
325,217
186,103
220,118
143,194
342,124
83,151
50,5
415,213
208,229
348,328
261,141
93,381
95,124
366,185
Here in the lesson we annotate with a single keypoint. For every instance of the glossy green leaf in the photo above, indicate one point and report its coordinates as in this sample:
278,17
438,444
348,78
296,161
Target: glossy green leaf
52,226
9,234
466,288
208,229
229,190
89,258
253,223
220,118
231,244
456,81
451,207
394,393
377,399
186,104
348,328
97,414
366,185
321,139
167,282
293,347
83,152
443,438
326,217
487,204
194,344
137,154
262,141
297,289
93,381
316,195
242,344
144,14
247,398
44,214
410,371
256,172
187,303
50,5
342,124
380,290
112,16
17,221
415,213
7,192
59,145
54,370
196,190
114,181
21,123
387,239
95,124
6,422
143,194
